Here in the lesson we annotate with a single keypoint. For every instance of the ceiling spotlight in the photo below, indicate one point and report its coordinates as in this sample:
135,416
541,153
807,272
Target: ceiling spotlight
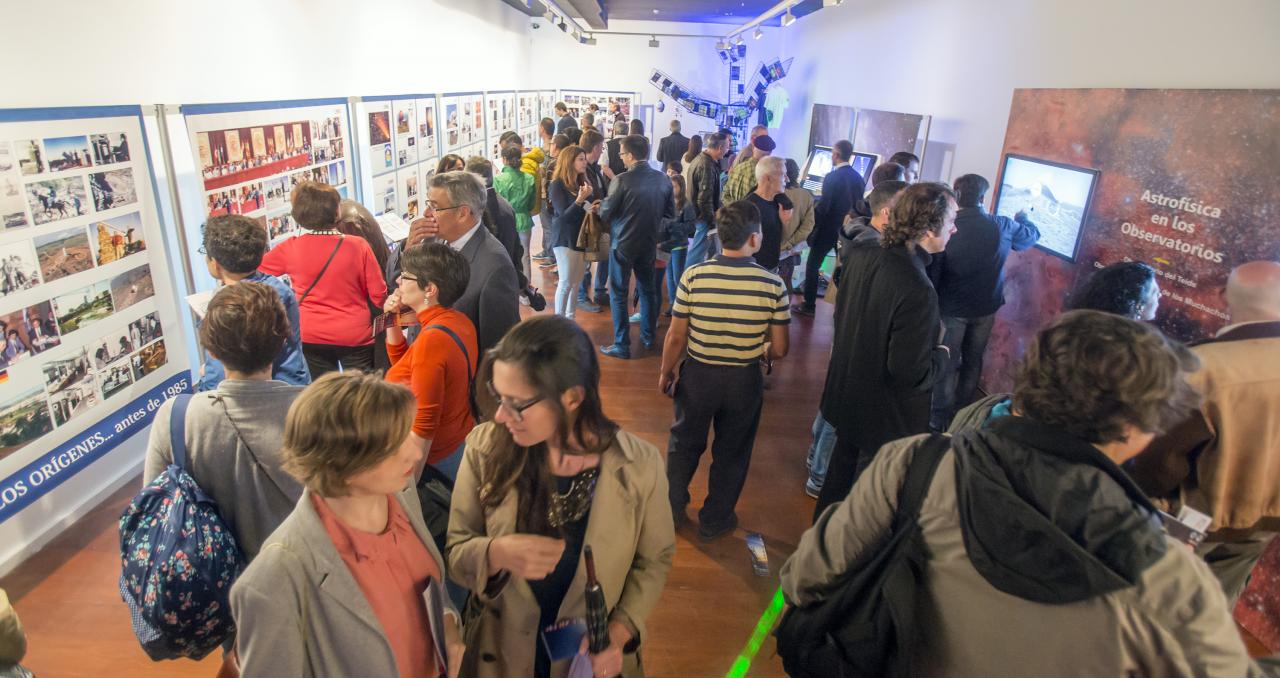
758,34
653,41
564,26
591,40
788,18
739,41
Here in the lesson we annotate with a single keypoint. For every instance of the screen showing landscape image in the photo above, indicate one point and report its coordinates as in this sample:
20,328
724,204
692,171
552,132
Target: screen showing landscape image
1054,196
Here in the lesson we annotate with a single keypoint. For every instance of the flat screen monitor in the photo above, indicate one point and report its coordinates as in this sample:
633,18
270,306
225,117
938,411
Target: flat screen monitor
1055,197
816,168
863,163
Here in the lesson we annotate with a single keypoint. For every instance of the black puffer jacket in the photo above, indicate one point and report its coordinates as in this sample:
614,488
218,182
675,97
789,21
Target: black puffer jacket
1047,517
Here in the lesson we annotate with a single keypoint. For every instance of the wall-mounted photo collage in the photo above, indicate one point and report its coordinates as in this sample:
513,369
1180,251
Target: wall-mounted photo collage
579,103
80,323
501,117
464,124
403,151
250,161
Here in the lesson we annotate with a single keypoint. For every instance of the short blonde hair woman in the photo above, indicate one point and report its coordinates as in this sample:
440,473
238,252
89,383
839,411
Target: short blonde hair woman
338,589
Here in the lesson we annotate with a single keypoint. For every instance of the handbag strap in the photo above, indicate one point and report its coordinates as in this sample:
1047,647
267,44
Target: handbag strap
178,429
919,476
324,268
471,379
226,412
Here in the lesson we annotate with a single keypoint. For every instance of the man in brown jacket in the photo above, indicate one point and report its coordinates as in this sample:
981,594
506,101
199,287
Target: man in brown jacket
1224,460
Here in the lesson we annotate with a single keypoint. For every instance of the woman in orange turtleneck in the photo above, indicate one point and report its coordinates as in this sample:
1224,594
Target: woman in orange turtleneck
434,366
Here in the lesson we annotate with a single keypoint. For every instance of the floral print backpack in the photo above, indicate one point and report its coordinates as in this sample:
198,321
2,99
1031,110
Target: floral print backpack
178,560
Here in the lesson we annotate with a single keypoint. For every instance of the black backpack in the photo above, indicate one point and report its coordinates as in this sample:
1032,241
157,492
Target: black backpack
867,626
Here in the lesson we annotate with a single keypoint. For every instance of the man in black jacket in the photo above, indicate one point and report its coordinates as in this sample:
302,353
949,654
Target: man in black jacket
639,199
565,121
971,290
702,177
500,219
888,350
841,188
673,147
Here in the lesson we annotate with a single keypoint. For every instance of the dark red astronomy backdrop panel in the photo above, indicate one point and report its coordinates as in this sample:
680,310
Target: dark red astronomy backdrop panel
1189,183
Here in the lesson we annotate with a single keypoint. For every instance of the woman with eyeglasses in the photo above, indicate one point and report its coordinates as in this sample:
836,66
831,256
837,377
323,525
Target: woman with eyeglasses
549,474
438,365
451,163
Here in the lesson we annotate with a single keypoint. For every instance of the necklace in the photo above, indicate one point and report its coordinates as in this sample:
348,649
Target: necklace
571,506
325,232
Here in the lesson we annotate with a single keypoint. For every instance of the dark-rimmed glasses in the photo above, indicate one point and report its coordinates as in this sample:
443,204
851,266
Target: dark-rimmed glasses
515,409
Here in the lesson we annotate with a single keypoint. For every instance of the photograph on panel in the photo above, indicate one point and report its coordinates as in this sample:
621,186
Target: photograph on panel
56,199
132,286
63,253
113,346
28,331
18,268
66,153
83,307
113,189
144,330
60,375
30,157
73,401
151,358
13,209
23,418
114,378
109,149
118,237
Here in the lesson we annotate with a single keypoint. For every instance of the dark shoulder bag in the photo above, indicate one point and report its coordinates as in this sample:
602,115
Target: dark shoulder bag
867,626
435,489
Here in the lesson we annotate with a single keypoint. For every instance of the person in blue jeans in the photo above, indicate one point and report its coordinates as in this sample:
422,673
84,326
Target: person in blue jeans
824,440
703,178
638,202
233,247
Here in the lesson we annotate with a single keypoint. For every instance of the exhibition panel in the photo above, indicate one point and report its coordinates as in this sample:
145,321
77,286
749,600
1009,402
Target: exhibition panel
248,158
399,151
501,117
88,305
528,115
1177,179
884,133
464,123
578,102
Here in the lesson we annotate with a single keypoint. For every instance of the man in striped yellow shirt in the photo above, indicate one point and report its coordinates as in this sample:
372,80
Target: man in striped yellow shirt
729,316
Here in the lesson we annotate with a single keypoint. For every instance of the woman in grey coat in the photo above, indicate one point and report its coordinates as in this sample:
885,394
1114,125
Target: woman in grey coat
351,584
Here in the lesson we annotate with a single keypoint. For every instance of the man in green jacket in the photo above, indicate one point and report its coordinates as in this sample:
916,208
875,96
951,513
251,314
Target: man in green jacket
519,189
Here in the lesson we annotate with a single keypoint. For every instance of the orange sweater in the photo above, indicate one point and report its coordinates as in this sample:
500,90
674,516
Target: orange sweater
435,370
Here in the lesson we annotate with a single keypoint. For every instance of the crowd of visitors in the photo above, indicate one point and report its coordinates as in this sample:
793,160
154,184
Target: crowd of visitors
1043,547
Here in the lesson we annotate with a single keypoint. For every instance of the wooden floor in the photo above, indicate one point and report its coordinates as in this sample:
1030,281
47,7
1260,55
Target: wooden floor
78,626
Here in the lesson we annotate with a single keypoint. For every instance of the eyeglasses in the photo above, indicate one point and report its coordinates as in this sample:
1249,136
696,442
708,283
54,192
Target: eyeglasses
515,409
431,205
410,278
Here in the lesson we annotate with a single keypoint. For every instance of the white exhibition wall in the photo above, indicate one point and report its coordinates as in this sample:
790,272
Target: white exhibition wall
961,61
83,52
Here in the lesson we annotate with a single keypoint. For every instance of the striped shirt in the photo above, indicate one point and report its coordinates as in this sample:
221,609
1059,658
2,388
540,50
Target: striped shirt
730,303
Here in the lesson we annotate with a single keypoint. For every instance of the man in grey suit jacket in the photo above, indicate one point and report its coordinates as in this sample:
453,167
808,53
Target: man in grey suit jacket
455,205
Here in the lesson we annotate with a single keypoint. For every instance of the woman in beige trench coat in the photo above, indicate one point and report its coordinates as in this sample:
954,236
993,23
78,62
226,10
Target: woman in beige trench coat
548,475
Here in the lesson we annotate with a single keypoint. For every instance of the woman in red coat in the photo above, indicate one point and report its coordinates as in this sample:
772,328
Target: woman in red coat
335,277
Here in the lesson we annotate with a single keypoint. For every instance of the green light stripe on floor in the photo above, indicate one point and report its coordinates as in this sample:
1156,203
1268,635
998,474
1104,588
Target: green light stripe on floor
763,627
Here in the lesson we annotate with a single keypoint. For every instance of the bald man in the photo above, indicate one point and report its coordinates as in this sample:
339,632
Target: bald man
1225,460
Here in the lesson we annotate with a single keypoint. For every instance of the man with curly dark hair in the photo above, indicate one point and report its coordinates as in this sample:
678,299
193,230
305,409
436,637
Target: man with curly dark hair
1030,533
233,248
888,345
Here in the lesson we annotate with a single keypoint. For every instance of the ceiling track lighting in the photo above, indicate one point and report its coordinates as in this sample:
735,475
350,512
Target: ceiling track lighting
739,41
788,18
758,34
653,41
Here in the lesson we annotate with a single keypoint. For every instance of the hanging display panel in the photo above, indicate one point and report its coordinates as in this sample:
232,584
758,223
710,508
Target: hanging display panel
527,117
88,312
500,117
464,124
401,155
614,106
250,156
